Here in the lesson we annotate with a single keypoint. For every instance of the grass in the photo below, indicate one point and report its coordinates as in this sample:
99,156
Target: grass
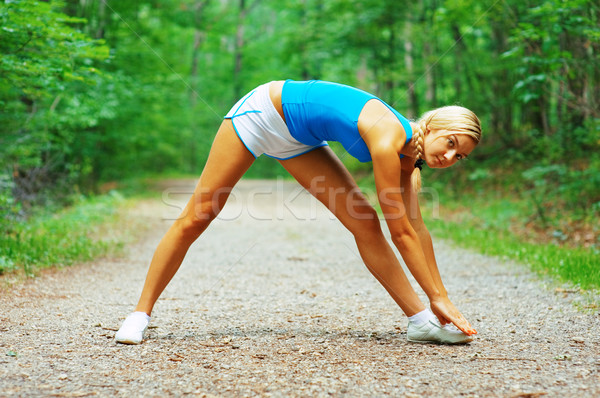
579,266
489,221
497,222
91,228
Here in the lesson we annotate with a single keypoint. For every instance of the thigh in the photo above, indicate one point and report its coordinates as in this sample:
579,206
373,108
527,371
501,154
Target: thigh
323,174
227,162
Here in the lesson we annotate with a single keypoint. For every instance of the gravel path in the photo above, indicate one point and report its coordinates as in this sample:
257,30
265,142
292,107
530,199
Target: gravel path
274,301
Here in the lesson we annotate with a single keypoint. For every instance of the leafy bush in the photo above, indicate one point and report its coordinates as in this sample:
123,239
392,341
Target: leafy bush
79,233
557,187
44,59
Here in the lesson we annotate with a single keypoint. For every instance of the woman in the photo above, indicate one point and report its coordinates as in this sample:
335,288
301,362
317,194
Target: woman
291,121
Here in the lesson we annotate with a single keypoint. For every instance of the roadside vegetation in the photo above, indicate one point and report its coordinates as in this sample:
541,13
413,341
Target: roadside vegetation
95,93
87,229
544,217
550,253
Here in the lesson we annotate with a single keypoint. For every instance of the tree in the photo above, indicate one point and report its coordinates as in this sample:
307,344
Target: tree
44,58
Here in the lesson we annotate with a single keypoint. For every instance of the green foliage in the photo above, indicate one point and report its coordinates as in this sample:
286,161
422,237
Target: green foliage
10,209
557,43
95,91
577,189
173,66
578,266
44,59
79,233
544,216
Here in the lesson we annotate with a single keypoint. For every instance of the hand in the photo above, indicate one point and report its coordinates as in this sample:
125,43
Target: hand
446,312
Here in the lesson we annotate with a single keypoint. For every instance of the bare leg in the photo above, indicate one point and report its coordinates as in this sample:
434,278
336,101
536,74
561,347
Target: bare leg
324,175
227,162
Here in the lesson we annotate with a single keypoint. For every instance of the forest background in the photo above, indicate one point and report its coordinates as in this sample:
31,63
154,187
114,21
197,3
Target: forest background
100,93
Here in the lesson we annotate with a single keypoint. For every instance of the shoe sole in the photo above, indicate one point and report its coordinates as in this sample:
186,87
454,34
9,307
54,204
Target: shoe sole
434,341
438,342
130,342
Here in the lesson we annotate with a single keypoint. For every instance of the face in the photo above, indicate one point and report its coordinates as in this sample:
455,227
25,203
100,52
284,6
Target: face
444,148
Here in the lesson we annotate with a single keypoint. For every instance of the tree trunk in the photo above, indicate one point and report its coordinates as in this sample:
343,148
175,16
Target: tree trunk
303,47
431,71
430,77
389,81
501,106
458,60
237,52
576,80
101,21
413,104
388,59
199,37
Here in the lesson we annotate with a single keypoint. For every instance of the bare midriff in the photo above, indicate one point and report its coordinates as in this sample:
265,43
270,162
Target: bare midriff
275,89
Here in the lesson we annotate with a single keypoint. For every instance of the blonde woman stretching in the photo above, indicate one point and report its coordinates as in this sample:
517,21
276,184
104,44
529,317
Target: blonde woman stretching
292,122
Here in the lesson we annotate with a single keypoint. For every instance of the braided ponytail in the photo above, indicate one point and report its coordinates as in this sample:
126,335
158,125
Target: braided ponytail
419,136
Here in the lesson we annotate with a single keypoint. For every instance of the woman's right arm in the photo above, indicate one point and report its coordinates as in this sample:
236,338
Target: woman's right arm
385,138
387,171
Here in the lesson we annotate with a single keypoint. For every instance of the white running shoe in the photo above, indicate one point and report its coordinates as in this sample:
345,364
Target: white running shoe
133,328
432,332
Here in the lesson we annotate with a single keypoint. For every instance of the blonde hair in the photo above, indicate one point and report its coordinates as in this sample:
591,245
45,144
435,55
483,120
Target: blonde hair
454,119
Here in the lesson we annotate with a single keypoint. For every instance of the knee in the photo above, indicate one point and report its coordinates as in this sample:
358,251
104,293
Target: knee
196,218
193,226
364,223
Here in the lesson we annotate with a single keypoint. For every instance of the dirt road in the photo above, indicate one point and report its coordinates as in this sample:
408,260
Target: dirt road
274,301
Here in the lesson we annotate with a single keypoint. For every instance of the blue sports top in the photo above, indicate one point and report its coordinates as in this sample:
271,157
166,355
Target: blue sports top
317,111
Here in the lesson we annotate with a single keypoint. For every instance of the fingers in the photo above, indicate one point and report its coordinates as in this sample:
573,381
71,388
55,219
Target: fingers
461,323
466,329
441,318
469,329
447,313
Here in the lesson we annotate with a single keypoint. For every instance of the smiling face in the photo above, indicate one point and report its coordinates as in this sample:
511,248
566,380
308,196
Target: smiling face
444,148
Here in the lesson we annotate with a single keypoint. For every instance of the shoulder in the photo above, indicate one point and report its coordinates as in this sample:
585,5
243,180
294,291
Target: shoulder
380,128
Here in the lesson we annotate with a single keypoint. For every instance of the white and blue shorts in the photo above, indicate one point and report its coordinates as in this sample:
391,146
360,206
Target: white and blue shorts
261,128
